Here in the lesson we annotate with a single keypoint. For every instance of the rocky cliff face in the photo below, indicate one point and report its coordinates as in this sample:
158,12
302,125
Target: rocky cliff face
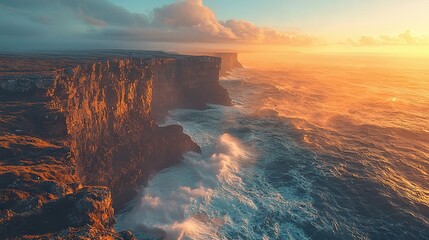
229,62
177,83
74,120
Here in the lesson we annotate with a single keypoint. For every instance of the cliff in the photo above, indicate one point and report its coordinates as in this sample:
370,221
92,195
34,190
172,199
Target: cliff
229,62
177,83
77,134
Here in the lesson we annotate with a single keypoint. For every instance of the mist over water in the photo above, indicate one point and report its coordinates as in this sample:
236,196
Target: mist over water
315,147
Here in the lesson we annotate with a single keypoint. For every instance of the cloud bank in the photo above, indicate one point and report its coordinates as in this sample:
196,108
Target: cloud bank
187,21
405,38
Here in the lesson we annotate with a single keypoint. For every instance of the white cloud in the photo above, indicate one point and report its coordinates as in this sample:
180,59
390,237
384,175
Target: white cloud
181,21
405,38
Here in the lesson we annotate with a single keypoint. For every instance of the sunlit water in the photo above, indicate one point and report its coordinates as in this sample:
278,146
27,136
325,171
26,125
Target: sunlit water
326,147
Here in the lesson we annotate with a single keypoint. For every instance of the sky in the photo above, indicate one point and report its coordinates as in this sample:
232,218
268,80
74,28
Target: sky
325,18
171,24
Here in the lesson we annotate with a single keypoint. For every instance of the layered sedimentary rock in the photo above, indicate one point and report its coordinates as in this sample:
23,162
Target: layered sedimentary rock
73,120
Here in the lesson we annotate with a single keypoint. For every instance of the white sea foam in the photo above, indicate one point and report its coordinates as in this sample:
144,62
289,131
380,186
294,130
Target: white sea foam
294,177
165,204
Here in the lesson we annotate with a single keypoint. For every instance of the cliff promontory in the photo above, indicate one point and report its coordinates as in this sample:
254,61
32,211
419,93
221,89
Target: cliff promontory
229,62
77,134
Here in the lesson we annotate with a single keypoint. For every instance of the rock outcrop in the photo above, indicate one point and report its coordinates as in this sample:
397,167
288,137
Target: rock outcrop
73,121
229,62
177,83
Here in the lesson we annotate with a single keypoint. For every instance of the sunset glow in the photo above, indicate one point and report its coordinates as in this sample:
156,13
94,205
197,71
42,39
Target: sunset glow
214,119
334,26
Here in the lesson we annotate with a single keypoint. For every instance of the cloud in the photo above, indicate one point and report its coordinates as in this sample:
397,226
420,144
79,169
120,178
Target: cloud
191,15
405,38
98,10
180,21
247,31
94,22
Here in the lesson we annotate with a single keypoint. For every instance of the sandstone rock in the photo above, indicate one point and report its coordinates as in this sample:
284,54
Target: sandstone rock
90,206
73,119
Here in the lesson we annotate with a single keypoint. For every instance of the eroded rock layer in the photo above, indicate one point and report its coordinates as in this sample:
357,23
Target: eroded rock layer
73,120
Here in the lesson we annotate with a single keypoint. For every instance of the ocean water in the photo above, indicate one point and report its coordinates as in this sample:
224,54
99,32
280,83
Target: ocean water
315,147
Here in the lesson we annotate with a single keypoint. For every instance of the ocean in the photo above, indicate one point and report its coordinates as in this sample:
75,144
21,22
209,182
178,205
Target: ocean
318,146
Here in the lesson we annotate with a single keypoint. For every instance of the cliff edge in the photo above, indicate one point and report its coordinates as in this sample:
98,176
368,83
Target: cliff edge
229,62
77,134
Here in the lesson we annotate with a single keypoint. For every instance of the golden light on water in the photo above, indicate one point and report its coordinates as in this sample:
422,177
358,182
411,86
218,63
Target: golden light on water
374,107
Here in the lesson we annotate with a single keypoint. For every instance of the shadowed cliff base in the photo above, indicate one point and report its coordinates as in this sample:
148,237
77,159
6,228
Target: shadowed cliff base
75,119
